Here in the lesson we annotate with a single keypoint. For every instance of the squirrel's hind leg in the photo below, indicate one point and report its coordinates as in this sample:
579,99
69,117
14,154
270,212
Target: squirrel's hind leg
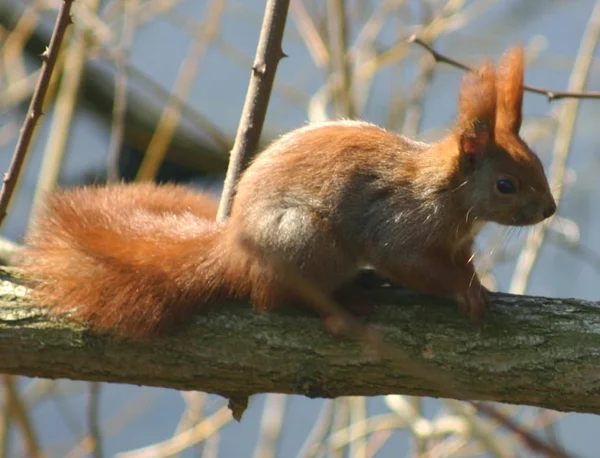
297,249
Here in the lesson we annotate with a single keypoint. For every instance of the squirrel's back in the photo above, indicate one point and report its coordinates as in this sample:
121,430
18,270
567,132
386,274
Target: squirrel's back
358,177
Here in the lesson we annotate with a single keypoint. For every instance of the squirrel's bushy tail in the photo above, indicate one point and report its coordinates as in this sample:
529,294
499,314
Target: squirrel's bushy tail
137,260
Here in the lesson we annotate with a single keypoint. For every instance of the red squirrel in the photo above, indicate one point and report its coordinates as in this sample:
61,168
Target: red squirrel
139,260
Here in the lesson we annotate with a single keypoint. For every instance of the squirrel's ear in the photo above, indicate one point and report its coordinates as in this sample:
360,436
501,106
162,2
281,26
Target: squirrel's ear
474,141
477,112
509,88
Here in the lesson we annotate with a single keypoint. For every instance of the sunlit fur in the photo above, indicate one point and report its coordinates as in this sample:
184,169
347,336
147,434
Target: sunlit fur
326,199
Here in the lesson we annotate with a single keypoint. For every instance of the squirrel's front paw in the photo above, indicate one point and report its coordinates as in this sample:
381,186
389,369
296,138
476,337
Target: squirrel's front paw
474,302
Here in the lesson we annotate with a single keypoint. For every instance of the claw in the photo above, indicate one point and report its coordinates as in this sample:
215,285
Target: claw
474,303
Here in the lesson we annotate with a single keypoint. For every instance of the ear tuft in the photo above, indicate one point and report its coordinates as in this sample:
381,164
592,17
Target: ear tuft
477,113
477,98
510,90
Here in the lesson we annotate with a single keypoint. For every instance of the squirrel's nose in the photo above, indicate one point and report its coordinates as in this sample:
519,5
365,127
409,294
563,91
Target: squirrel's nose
550,210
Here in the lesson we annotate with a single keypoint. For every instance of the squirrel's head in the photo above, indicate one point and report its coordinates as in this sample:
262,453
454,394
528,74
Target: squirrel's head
503,177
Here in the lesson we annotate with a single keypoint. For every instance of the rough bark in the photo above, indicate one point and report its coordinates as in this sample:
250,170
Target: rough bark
532,350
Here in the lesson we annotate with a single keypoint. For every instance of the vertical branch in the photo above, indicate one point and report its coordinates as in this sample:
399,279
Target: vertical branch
21,416
358,416
268,55
120,100
309,33
5,421
64,110
34,111
313,444
341,420
336,14
12,47
271,424
192,415
94,419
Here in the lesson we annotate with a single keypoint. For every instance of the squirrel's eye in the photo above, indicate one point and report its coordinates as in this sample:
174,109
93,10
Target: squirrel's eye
506,186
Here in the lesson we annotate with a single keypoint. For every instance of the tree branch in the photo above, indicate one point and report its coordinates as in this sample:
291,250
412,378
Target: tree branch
549,93
35,108
268,55
532,350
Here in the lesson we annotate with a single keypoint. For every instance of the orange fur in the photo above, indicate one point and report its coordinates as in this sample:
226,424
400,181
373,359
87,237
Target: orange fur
118,259
510,90
477,97
326,199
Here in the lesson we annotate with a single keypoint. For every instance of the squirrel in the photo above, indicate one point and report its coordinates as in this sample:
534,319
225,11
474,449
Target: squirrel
138,260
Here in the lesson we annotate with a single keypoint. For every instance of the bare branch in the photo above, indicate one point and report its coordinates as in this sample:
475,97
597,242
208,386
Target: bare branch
534,443
117,134
549,93
35,108
526,343
22,416
268,55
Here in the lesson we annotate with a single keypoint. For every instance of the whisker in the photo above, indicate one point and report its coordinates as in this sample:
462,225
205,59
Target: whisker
497,243
473,279
460,186
468,213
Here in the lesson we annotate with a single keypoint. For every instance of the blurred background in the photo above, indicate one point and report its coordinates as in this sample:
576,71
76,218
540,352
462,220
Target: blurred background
153,89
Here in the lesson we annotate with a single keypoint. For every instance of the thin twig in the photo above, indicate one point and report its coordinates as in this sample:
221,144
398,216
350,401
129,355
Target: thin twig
5,423
365,48
94,419
180,442
549,93
113,424
358,415
339,68
156,90
268,55
534,444
21,416
272,421
480,431
288,91
34,111
64,110
310,34
341,422
120,100
436,27
410,412
12,47
416,99
314,440
161,139
366,427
